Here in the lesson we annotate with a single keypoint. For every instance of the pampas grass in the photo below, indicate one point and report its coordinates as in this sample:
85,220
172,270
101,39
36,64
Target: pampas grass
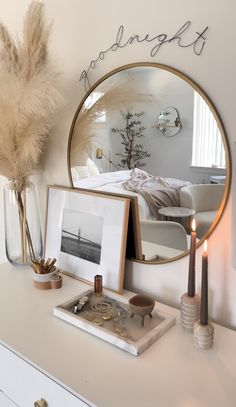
29,100
29,97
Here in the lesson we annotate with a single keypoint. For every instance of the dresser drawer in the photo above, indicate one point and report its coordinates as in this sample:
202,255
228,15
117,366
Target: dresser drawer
5,401
24,384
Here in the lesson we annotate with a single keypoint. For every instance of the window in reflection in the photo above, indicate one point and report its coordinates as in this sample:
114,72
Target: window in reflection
90,102
208,148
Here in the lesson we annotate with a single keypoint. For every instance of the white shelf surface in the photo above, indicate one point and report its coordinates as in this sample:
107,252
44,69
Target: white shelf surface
172,372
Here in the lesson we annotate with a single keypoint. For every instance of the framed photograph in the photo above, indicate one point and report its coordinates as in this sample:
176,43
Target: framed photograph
87,233
134,243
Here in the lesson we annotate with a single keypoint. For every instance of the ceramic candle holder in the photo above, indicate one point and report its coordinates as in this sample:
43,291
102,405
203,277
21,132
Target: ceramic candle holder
190,311
203,335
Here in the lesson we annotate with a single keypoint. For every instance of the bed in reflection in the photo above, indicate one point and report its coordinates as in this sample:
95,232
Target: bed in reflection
109,182
161,238
153,192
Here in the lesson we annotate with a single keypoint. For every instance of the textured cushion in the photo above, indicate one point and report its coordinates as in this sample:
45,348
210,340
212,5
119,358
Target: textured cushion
79,172
84,171
92,168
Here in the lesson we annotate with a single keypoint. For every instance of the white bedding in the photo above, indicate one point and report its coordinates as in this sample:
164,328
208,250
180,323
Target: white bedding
116,182
112,182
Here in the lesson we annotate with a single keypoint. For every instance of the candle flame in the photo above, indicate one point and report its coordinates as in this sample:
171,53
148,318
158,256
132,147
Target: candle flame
205,246
193,225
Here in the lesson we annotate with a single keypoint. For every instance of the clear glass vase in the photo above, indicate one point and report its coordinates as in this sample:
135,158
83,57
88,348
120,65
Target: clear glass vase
23,235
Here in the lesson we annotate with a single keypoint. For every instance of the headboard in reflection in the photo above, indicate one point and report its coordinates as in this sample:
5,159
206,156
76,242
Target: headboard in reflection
116,146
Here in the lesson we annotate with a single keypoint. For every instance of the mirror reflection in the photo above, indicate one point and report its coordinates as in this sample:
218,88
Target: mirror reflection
118,144
168,122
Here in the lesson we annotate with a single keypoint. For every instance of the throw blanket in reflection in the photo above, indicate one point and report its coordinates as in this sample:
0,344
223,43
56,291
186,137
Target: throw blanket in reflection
157,191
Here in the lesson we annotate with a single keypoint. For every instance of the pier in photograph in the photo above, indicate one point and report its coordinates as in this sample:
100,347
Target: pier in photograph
79,246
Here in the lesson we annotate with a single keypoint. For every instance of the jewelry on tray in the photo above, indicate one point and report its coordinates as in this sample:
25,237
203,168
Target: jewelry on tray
121,331
81,303
93,318
107,317
101,307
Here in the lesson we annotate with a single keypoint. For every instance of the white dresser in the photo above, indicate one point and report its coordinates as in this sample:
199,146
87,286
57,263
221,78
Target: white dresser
42,357
22,383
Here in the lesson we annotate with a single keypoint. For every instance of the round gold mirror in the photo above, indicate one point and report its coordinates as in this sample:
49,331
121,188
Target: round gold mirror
118,145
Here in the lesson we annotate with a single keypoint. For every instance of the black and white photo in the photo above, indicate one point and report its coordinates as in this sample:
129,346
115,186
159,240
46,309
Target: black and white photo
82,235
86,233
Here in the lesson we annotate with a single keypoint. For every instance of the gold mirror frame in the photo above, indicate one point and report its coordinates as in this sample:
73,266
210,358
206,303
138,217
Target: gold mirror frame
221,127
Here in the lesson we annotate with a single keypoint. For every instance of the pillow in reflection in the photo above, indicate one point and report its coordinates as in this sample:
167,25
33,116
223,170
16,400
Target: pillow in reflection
79,172
92,168
84,171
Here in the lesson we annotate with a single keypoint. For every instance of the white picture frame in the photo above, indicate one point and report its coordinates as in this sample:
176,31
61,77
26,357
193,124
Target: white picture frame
87,233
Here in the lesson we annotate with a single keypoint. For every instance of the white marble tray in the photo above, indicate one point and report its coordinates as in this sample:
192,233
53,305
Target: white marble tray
134,338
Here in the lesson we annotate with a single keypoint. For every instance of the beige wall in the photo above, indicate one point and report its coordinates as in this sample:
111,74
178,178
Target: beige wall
82,29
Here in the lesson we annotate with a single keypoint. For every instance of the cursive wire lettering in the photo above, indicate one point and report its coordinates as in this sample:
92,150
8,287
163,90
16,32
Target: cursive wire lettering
197,45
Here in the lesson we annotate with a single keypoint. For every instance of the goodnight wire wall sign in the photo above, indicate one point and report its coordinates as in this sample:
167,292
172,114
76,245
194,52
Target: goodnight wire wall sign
156,41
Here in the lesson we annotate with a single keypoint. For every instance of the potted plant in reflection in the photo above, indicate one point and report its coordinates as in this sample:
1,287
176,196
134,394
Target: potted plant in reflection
29,100
134,153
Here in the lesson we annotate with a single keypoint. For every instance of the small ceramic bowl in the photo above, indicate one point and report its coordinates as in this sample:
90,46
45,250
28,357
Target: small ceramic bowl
141,305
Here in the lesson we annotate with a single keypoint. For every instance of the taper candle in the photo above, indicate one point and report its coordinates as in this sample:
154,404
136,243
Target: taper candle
192,255
204,289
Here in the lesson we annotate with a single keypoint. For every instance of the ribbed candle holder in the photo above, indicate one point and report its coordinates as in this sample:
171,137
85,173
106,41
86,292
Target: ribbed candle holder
190,311
203,335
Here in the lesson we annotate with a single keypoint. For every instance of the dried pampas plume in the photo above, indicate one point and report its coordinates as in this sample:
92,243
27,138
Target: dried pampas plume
116,95
29,97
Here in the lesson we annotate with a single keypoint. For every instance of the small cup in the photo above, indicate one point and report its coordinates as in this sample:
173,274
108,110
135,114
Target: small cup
56,280
98,284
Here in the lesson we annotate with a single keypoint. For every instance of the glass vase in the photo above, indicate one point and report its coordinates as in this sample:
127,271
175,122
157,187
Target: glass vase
23,235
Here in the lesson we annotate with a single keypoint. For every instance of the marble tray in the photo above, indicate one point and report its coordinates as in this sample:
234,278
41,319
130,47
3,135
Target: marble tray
121,330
